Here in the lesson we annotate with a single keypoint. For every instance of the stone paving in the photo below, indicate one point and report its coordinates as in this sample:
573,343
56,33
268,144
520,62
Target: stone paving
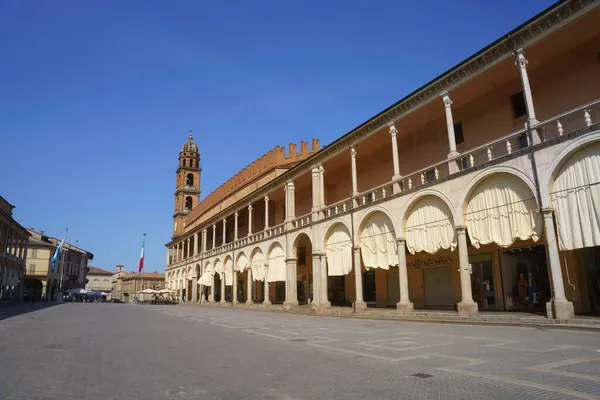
121,351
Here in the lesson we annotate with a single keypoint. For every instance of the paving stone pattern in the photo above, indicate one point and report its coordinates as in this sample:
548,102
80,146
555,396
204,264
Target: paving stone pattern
121,351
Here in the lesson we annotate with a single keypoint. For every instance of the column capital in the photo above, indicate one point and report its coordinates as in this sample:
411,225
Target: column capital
195,235
236,215
321,169
352,151
250,207
224,221
290,184
266,199
446,99
521,61
401,241
315,170
548,211
393,130
460,229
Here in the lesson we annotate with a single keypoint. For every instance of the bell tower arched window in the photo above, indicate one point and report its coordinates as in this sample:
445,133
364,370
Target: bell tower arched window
189,180
184,162
188,203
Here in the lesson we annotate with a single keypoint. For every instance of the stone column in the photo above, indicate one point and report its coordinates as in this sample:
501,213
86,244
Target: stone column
466,306
561,308
250,220
214,241
168,258
449,125
224,230
325,303
204,239
196,248
358,291
266,301
222,276
322,186
249,300
266,212
521,63
353,164
404,306
316,185
211,296
195,289
235,226
290,203
316,272
188,247
291,288
234,297
393,133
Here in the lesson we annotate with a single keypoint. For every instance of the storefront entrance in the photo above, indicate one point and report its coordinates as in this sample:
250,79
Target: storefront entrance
336,290
590,265
369,293
483,284
525,278
437,283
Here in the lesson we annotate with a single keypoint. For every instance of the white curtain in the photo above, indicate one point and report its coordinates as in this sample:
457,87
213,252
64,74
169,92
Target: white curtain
242,263
277,270
207,278
377,242
258,266
576,200
338,249
228,272
501,210
430,227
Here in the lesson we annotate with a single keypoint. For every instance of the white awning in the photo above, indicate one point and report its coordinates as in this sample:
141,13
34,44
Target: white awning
258,266
207,279
501,210
228,272
378,243
430,227
338,249
576,200
242,263
277,270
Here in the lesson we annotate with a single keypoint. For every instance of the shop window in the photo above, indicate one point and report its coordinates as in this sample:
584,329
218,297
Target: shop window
518,105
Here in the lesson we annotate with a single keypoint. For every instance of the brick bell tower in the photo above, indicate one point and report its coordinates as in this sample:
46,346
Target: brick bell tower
187,188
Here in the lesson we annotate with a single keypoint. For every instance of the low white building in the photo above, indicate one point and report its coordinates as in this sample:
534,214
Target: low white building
99,280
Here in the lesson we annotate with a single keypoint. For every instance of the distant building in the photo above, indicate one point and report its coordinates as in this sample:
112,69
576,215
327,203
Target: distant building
99,280
127,286
70,271
14,240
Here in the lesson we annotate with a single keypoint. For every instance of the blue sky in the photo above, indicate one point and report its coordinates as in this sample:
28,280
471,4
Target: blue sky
97,97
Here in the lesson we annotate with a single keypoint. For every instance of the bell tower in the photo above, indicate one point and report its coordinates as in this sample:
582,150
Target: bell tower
187,188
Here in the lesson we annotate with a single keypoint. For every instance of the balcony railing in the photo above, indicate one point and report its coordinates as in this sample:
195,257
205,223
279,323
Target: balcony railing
506,146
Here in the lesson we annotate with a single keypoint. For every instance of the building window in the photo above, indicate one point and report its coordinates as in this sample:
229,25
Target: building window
184,162
518,104
458,133
33,253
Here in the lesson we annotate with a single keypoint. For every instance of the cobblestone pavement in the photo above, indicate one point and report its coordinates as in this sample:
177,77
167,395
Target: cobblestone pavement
106,351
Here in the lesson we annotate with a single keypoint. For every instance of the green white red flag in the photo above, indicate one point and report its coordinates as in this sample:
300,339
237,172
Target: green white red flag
141,266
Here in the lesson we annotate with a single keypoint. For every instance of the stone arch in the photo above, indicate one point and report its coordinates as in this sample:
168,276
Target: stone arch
404,213
338,249
257,263
241,256
197,270
297,236
547,180
574,192
322,236
368,213
501,207
428,223
377,240
217,266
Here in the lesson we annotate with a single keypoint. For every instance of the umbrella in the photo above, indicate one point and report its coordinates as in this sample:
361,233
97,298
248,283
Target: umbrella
77,291
149,291
164,291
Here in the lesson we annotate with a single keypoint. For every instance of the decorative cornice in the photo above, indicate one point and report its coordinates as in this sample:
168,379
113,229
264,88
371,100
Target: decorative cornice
523,36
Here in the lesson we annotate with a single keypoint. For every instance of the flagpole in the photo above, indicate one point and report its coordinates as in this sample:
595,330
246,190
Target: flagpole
62,263
142,270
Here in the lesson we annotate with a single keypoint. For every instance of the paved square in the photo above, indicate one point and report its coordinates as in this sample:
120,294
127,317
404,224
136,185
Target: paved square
119,351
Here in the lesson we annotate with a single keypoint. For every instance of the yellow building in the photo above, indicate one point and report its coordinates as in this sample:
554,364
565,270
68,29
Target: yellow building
70,271
14,240
478,191
99,280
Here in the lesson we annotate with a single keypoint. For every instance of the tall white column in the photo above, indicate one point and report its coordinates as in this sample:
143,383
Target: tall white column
291,288
316,272
222,276
561,308
266,212
290,203
267,300
188,246
321,186
195,289
235,226
196,244
521,63
214,241
358,291
224,230
353,164
249,285
316,186
393,133
168,258
204,239
234,300
325,303
249,220
466,306
449,124
404,306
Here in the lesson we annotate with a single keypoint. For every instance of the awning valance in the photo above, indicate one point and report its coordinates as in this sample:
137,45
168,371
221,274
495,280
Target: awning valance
277,270
501,210
228,272
378,243
206,279
430,227
339,251
576,200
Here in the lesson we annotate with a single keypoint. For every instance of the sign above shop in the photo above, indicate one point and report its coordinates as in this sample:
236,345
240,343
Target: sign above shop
430,262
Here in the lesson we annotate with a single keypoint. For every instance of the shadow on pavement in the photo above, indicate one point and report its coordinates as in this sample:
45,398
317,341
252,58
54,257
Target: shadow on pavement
13,309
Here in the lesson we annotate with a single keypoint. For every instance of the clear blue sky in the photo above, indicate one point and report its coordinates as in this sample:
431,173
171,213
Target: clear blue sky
97,97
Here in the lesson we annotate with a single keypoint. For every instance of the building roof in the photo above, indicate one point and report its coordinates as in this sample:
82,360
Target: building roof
145,275
98,271
190,146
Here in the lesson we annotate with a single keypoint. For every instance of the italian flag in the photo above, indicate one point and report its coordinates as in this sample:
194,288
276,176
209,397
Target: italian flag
141,266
